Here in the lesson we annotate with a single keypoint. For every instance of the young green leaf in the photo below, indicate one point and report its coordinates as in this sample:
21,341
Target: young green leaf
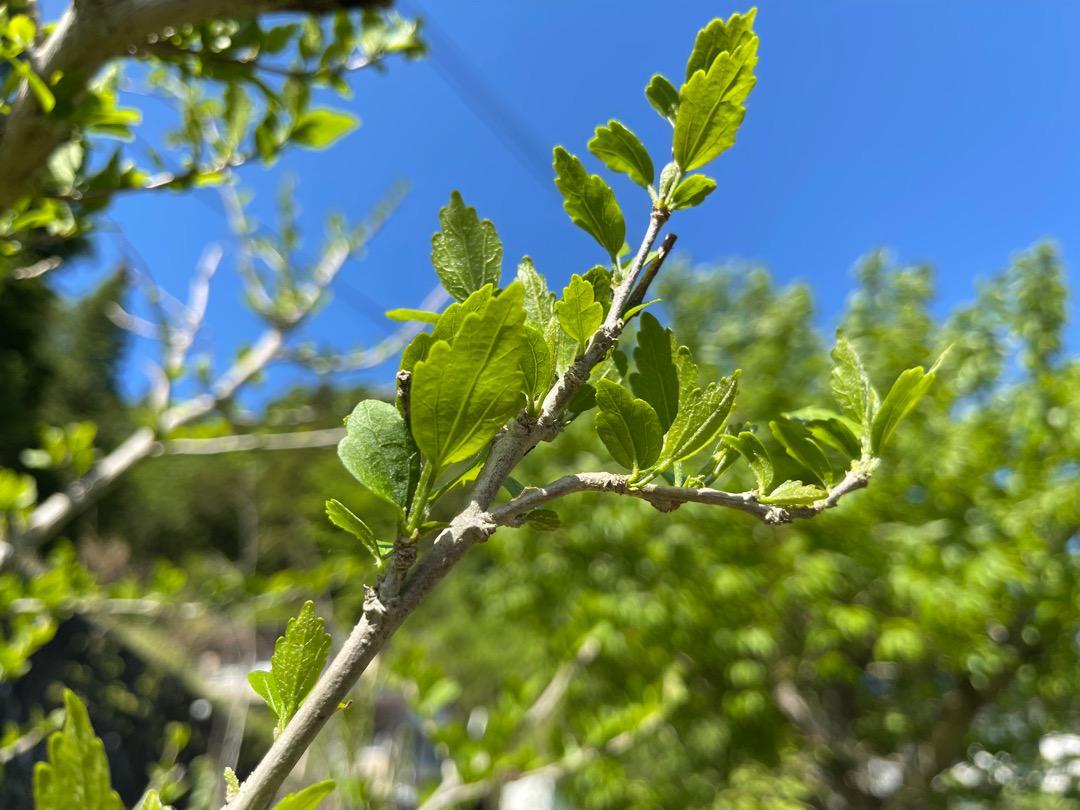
600,279
77,771
620,150
467,253
298,658
628,427
539,301
829,429
318,129
852,388
462,394
412,315
578,313
342,517
701,415
308,798
691,191
536,363
450,322
711,105
656,381
630,313
719,36
663,97
380,453
152,801
800,445
562,347
794,493
904,395
416,351
590,202
232,784
750,447
543,520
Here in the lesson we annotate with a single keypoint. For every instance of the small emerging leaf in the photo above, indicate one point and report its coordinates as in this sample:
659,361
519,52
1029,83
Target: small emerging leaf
412,315
663,97
539,301
299,656
77,771
904,395
800,445
380,453
794,493
750,447
852,389
342,517
691,191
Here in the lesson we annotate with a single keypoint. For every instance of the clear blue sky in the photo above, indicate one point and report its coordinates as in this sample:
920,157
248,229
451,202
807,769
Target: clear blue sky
946,131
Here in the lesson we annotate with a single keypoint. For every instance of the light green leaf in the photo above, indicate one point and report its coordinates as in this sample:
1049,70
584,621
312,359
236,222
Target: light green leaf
379,452
152,801
342,517
829,429
536,363
801,446
750,447
20,30
412,315
621,151
308,798
701,414
628,427
794,493
711,106
450,322
77,771
691,191
852,388
663,97
467,253
416,351
462,394
656,381
579,314
719,36
539,301
590,202
320,128
630,313
232,784
299,656
904,395
600,279
562,347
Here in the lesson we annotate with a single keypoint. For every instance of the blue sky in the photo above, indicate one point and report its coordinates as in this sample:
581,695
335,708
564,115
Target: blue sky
947,132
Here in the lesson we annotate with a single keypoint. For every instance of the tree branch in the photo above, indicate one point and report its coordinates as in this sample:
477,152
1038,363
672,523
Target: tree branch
89,35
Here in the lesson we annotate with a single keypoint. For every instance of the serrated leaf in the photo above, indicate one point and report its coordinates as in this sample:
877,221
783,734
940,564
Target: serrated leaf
451,320
463,393
656,380
318,129
298,659
539,301
711,106
620,150
562,347
536,363
466,253
663,97
750,447
628,427
852,388
701,414
308,798
77,771
579,314
380,453
342,517
903,396
691,191
590,202
416,350
794,493
412,315
719,36
799,443
600,279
